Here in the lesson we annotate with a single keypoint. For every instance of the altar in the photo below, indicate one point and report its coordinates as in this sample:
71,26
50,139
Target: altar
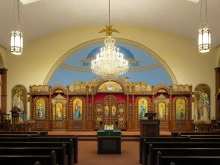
109,141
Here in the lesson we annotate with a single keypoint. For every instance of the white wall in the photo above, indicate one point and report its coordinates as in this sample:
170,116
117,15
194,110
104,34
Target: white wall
181,55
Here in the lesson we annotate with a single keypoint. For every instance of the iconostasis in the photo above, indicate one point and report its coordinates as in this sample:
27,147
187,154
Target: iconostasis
84,105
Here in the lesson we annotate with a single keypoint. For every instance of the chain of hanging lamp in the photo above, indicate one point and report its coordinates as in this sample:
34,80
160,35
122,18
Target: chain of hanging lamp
109,63
204,33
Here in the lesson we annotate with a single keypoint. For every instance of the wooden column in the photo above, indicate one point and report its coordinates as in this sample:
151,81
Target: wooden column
67,110
3,73
133,114
217,79
170,113
217,88
127,104
87,111
93,107
31,104
50,110
153,106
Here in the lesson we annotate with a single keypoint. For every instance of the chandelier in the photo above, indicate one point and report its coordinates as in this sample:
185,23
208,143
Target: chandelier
16,46
109,63
204,34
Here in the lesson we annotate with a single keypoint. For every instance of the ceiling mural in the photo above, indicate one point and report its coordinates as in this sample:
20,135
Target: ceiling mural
144,65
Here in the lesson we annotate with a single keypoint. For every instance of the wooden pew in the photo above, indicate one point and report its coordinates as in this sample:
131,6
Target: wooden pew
69,147
152,157
20,135
187,160
46,139
15,139
41,133
176,133
59,139
157,139
205,139
49,159
201,136
61,157
176,145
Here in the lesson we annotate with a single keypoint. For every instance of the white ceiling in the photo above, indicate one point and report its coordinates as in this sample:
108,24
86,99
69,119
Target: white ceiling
45,16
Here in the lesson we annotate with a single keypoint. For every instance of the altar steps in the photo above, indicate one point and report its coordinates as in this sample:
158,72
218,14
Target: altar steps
92,135
123,138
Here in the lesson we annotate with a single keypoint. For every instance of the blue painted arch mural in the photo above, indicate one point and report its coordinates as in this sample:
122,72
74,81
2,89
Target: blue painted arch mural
144,64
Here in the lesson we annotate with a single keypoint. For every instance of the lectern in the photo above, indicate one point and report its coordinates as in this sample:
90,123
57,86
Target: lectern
15,116
150,127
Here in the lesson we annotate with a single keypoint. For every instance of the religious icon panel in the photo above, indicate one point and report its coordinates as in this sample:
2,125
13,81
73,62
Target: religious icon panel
40,109
142,107
77,109
59,111
161,111
180,109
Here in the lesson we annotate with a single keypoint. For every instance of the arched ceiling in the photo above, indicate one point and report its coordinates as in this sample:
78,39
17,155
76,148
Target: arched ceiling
46,16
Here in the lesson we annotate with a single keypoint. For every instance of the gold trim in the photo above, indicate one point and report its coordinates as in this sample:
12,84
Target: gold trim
101,40
108,136
130,70
75,68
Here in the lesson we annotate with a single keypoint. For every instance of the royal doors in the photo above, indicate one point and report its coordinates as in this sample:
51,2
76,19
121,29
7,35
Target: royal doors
110,110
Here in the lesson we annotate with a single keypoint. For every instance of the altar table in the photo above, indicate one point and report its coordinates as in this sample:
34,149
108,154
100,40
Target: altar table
109,141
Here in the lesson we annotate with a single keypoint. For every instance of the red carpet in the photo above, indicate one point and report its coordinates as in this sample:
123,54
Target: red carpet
88,154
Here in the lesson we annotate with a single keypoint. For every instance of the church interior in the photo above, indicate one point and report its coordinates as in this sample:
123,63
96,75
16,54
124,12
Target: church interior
95,72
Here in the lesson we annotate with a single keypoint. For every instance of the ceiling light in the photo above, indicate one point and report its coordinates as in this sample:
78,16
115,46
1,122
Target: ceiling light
109,63
17,37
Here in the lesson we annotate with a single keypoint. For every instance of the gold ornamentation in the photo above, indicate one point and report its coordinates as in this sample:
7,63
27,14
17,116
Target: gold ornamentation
109,30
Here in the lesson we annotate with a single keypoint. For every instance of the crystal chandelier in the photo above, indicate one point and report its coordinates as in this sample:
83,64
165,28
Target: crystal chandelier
204,34
17,37
109,63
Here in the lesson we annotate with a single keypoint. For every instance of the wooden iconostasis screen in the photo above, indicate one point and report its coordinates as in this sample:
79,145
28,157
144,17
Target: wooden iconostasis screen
85,107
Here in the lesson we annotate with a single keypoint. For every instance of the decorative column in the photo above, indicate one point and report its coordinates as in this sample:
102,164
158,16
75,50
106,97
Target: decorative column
127,105
153,106
87,111
134,124
217,92
170,113
67,110
3,73
31,104
92,117
217,79
50,110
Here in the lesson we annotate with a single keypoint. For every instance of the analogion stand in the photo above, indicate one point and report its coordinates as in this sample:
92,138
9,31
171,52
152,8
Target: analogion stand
149,127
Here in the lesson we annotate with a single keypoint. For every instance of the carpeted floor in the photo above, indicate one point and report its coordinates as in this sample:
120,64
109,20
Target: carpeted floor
88,154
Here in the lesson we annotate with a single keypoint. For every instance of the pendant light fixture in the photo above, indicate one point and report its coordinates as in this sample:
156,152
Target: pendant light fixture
16,46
